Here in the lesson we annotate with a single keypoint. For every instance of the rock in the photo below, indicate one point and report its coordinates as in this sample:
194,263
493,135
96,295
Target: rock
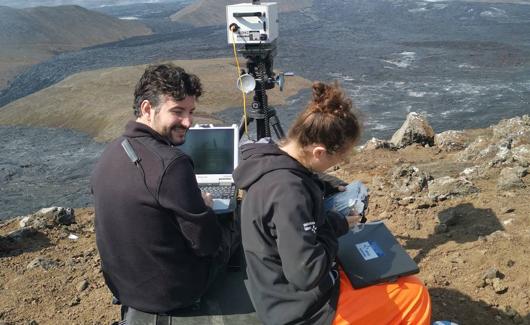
82,285
406,200
24,221
473,172
480,149
503,156
409,179
451,140
521,155
61,216
491,273
45,263
517,129
511,178
374,144
74,302
415,129
505,210
498,234
498,286
510,263
447,187
49,218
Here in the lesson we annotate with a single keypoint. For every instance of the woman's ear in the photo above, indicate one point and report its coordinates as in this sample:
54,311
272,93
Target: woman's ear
319,151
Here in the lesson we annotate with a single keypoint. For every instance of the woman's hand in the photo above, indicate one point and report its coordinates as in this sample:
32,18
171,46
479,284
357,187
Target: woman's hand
353,219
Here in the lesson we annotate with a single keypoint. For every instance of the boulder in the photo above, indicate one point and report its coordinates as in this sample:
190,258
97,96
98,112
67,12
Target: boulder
511,178
517,129
451,140
416,129
49,218
480,149
409,180
447,187
521,155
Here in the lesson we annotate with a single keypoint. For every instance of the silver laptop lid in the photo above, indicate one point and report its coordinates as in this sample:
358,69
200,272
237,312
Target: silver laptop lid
214,151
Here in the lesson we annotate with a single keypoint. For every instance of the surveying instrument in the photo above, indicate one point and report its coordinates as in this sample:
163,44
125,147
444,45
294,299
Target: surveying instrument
252,28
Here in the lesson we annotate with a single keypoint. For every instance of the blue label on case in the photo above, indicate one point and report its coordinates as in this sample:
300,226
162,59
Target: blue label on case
369,250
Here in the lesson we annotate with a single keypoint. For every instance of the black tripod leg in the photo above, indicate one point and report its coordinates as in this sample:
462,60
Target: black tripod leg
275,123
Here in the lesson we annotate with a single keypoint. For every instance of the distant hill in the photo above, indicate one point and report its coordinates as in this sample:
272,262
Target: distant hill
212,12
99,102
29,36
84,3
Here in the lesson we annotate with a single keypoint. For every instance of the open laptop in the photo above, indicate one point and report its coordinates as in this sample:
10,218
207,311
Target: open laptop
214,151
369,254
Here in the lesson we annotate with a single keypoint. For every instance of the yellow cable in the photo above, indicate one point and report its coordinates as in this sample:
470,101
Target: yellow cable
241,83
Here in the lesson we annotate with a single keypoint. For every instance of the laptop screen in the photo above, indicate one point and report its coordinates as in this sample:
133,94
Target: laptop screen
211,149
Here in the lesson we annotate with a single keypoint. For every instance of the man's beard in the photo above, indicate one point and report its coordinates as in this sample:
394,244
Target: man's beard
180,140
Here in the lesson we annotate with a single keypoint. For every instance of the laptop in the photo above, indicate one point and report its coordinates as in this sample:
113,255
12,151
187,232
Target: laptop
369,254
214,151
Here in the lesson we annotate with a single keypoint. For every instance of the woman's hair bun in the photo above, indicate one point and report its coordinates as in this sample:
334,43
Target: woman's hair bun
329,99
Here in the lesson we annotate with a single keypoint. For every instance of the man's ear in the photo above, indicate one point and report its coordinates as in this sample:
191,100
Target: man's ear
146,109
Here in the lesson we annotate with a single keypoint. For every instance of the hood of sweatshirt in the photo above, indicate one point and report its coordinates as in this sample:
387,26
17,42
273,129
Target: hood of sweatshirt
258,159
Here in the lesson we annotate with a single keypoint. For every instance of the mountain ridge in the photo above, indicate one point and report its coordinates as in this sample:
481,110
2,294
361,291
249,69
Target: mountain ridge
32,35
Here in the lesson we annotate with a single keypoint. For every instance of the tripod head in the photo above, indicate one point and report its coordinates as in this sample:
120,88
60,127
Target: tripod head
254,29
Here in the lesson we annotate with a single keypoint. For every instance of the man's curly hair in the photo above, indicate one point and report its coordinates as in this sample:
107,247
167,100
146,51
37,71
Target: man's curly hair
165,80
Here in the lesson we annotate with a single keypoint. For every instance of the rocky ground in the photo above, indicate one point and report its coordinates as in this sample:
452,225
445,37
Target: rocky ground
457,201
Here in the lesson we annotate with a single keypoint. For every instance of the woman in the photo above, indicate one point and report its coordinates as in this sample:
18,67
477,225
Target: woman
290,242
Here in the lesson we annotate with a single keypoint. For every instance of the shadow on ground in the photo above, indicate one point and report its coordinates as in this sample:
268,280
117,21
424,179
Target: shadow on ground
462,224
23,241
449,304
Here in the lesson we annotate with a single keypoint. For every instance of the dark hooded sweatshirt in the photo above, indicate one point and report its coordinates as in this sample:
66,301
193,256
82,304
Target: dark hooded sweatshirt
155,235
290,243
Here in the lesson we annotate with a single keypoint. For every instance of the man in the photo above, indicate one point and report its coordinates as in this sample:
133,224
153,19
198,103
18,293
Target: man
160,242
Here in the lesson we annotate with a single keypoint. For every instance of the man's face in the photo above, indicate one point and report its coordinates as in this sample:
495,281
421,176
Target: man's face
173,118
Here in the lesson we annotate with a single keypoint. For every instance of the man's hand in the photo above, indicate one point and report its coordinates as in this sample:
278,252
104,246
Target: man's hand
208,200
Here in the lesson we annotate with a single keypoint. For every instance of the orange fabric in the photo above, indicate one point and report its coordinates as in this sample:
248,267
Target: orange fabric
405,301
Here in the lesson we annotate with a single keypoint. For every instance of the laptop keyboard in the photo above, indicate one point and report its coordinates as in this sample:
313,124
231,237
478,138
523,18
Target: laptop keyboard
219,191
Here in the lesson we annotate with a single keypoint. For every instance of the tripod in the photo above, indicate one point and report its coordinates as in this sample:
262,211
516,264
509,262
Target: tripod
259,65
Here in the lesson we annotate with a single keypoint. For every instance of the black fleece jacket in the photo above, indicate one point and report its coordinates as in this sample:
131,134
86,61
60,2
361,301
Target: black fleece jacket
155,235
290,243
